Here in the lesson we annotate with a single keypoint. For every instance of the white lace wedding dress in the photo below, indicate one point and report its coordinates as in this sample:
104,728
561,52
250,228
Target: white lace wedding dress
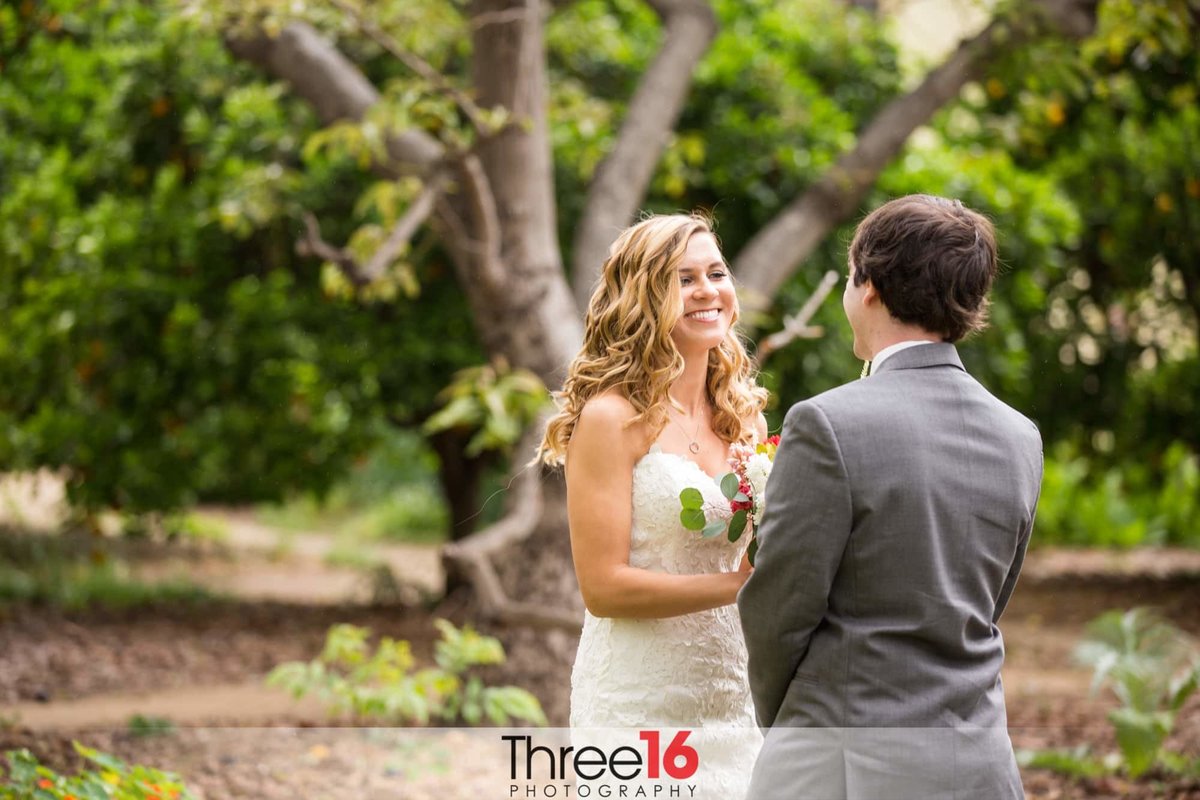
680,672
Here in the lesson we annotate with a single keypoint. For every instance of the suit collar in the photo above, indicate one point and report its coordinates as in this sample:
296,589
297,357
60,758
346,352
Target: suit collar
938,354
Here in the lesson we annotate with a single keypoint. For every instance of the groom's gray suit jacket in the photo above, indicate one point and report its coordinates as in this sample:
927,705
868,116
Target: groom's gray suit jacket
898,513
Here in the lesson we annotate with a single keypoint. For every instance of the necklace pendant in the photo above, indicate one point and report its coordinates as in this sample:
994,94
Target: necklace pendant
694,447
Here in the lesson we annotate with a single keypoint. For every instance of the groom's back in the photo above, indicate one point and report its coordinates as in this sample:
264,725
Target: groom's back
943,481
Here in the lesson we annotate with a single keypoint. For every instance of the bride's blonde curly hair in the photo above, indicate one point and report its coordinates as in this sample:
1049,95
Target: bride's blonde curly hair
627,342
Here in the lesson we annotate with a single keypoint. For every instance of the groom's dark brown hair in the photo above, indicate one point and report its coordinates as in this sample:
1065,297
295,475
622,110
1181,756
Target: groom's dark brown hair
931,259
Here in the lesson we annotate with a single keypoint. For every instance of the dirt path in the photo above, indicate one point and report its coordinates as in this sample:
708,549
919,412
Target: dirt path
410,565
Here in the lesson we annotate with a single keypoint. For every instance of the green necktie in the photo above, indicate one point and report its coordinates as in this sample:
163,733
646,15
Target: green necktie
866,370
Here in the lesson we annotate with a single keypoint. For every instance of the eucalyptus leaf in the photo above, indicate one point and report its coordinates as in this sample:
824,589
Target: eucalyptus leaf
737,525
714,528
730,485
691,498
753,551
692,519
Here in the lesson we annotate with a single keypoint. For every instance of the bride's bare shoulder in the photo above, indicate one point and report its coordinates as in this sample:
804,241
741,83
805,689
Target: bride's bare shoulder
606,422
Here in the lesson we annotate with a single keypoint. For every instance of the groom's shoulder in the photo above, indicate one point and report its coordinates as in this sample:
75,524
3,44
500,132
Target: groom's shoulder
840,403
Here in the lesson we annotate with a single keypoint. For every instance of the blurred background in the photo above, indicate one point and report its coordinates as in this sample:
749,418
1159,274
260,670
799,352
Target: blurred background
284,284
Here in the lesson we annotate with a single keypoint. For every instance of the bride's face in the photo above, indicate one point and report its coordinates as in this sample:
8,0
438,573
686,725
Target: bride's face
709,299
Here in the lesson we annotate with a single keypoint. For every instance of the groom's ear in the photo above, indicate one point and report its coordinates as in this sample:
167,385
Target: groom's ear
870,294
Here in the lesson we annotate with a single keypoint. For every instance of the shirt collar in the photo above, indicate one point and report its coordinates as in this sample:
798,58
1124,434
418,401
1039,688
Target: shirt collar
891,350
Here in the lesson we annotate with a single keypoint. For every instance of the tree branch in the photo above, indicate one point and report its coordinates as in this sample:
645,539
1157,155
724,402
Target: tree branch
796,326
417,65
405,227
620,182
783,244
474,554
362,275
314,245
487,219
335,88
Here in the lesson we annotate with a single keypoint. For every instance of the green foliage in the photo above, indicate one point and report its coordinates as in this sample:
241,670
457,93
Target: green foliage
109,779
385,686
142,726
494,400
162,341
775,100
1152,667
1112,123
1083,503
1077,762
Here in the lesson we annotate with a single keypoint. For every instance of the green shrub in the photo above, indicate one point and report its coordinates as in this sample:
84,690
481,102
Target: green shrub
110,779
383,685
1126,506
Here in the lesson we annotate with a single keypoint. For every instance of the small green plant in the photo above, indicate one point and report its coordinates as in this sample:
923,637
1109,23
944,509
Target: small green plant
385,686
110,779
1153,668
494,400
1078,762
144,726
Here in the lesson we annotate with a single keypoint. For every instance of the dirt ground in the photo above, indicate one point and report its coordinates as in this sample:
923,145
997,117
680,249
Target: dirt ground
83,675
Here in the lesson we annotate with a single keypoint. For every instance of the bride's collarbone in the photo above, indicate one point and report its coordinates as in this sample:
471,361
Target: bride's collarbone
712,459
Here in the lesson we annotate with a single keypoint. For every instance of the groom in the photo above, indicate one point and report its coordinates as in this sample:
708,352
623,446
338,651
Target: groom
898,514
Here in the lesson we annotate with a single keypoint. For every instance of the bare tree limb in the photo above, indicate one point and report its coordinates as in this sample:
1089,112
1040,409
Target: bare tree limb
314,245
473,555
361,275
777,250
416,216
796,326
620,182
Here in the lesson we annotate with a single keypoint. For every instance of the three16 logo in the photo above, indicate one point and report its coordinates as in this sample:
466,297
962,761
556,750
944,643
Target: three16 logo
678,760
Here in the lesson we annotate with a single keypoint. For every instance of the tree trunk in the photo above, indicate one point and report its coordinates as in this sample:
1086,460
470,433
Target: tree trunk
459,476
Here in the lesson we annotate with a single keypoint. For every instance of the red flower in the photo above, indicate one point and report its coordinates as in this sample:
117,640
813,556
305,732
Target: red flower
773,440
739,505
45,783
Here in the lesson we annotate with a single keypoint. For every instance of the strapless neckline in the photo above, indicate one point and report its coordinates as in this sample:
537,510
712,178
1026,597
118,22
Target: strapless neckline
656,450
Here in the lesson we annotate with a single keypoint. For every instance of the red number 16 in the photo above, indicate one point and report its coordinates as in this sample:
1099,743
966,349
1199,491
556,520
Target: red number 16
676,750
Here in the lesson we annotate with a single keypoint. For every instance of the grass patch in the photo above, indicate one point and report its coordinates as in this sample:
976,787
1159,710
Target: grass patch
48,570
352,555
1078,763
392,496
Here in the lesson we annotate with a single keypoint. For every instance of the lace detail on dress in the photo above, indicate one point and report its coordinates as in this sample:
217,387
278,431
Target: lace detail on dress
687,671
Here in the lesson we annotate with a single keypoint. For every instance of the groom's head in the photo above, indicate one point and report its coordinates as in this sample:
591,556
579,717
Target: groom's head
930,262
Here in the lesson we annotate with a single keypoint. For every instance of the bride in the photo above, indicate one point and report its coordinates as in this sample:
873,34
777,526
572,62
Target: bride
661,389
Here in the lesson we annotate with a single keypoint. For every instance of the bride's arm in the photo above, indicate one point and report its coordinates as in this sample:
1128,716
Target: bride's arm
600,462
